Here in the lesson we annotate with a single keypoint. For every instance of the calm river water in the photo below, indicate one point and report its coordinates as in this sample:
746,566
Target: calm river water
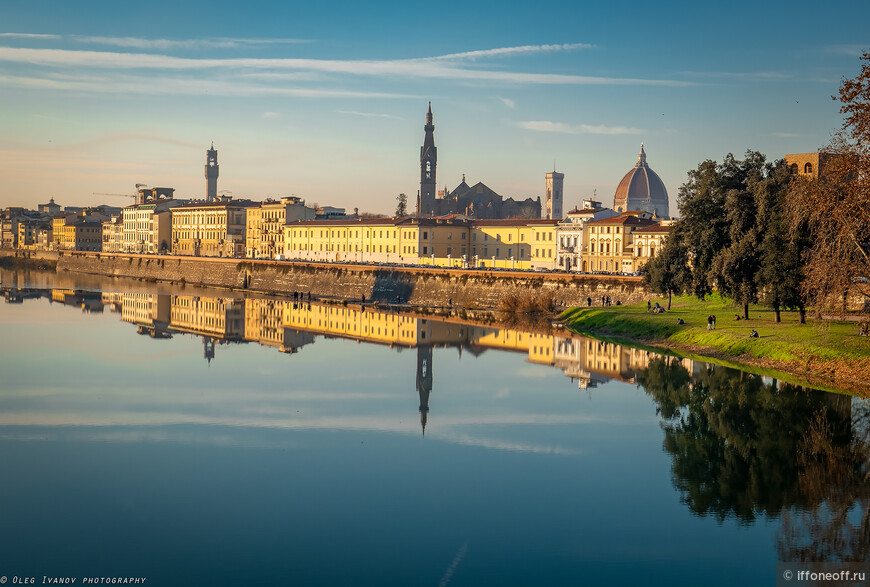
195,437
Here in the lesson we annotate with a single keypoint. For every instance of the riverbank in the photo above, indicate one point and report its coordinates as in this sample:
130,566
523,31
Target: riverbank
12,263
470,289
827,354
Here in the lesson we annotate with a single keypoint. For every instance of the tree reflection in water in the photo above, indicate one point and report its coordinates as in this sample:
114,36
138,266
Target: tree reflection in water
744,448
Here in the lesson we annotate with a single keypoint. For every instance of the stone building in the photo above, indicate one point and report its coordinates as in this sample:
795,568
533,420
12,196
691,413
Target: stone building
504,244
642,189
609,243
554,194
648,242
113,235
810,165
210,229
212,169
477,201
147,228
570,230
264,237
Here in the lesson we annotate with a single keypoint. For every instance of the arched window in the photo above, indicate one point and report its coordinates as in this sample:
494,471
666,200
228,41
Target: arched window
794,167
808,168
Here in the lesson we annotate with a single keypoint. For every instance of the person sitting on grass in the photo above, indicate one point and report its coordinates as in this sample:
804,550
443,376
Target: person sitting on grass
863,330
681,321
753,334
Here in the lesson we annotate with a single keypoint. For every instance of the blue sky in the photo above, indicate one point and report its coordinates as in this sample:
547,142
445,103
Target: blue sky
326,100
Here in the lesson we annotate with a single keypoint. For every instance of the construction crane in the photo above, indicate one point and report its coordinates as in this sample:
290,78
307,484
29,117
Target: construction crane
134,196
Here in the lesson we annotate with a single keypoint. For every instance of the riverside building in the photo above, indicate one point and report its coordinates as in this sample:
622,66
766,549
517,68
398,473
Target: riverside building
453,242
210,229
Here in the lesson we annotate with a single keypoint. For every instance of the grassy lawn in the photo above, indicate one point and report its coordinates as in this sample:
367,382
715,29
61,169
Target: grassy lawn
787,341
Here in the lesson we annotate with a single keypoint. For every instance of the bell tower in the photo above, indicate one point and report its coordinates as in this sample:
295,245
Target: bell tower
211,174
428,161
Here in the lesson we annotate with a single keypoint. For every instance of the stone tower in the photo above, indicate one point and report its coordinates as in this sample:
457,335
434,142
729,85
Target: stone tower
428,160
554,195
211,174
424,382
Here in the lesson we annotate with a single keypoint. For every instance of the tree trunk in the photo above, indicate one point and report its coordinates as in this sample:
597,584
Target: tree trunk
776,311
845,299
669,300
746,311
803,312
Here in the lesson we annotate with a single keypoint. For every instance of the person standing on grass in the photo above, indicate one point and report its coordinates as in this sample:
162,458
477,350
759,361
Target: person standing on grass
648,305
709,322
714,321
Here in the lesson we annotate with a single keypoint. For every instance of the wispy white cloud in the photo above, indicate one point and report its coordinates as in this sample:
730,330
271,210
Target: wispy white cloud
367,114
28,36
165,44
413,68
269,115
177,87
510,51
508,102
578,129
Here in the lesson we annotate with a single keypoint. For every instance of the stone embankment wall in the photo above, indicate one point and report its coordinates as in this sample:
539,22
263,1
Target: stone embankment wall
416,286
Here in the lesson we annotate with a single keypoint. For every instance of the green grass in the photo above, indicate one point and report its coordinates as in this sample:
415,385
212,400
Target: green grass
831,343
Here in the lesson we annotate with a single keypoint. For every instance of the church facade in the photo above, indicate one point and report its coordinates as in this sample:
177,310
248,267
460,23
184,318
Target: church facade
476,202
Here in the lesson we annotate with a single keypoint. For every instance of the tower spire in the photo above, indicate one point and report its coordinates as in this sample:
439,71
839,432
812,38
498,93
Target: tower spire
428,161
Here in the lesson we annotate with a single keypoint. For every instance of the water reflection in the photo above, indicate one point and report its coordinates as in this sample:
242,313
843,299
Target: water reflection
288,326
741,447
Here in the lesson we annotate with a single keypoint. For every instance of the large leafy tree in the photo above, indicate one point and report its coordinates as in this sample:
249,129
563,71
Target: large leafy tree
702,227
781,271
735,266
720,225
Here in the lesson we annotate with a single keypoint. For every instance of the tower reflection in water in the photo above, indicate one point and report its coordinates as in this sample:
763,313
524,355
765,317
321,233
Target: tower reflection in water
742,446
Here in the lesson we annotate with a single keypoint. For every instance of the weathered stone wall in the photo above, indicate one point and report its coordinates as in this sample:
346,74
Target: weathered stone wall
471,289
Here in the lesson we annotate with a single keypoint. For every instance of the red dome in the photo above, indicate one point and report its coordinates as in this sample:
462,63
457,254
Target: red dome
642,189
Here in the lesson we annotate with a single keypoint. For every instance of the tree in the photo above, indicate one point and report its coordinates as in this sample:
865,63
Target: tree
720,227
735,267
834,208
781,272
402,206
702,227
669,272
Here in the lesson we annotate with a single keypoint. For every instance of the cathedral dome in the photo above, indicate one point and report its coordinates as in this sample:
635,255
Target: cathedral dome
642,189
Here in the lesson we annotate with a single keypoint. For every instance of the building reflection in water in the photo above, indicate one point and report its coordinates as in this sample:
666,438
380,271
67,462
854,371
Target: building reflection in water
288,326
742,446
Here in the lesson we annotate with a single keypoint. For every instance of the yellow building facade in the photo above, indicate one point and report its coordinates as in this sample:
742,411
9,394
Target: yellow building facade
266,223
210,229
504,244
609,244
